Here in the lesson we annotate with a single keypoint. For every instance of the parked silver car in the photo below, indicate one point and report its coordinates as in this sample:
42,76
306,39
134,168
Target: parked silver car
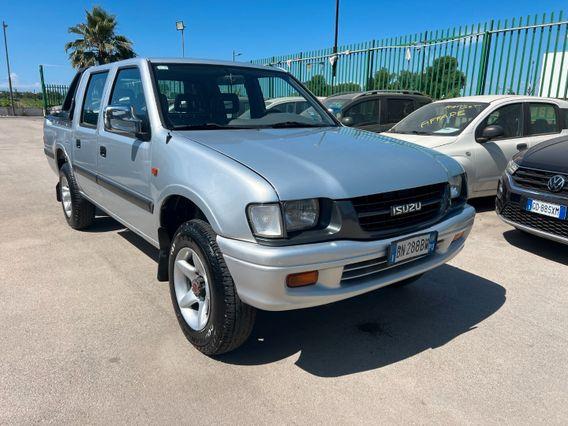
275,211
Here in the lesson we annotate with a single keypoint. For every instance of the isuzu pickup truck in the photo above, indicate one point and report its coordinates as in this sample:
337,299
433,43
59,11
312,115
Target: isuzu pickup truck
269,209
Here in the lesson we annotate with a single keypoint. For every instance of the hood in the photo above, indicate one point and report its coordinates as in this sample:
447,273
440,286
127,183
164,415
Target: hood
332,162
430,141
551,155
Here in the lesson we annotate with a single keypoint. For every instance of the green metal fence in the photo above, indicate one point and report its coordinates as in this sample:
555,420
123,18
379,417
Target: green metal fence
526,55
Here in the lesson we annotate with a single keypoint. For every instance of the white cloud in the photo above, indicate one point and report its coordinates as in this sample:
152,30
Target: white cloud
17,84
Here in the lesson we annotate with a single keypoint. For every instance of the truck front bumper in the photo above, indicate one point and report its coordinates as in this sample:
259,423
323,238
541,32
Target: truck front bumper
260,271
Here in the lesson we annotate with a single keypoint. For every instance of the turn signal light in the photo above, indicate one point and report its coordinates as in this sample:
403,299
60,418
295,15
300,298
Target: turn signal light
458,236
302,279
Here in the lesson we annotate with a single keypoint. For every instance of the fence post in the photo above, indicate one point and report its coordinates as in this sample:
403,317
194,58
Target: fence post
484,66
43,91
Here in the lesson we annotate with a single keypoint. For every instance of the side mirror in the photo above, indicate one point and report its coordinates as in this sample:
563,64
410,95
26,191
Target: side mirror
347,121
490,132
123,119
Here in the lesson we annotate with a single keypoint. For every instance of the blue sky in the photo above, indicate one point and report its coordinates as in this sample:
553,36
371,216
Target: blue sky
38,29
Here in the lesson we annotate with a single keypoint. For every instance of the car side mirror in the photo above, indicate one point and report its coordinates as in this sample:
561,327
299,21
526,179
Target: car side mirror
490,132
122,119
347,121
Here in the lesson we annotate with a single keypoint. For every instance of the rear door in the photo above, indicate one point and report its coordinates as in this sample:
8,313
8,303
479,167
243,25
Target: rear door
123,160
84,143
543,121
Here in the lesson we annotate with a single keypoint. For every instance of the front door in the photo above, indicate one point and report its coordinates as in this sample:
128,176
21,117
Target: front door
124,160
491,157
85,146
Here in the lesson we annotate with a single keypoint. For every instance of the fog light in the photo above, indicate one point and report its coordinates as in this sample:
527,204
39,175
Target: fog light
302,279
458,236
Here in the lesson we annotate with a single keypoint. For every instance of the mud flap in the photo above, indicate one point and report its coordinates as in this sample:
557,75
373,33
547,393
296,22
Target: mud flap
163,255
57,192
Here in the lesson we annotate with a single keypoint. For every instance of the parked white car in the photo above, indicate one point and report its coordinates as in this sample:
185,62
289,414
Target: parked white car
484,132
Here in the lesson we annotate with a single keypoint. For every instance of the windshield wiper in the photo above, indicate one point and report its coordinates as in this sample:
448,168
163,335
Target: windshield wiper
292,124
207,126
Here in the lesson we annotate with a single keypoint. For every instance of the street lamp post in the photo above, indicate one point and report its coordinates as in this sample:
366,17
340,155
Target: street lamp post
235,54
334,65
180,27
4,26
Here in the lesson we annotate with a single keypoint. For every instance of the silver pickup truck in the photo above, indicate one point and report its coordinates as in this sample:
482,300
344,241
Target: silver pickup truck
249,207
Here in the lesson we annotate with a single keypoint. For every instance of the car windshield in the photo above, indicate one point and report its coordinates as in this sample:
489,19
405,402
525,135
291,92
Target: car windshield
440,118
196,96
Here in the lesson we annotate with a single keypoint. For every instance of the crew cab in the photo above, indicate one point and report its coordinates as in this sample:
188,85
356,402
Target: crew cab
273,211
484,132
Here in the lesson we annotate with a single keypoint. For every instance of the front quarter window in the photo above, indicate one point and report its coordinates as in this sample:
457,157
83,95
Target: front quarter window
440,118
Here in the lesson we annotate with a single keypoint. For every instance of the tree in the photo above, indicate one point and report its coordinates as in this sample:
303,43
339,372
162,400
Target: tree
380,81
318,86
98,42
443,79
346,88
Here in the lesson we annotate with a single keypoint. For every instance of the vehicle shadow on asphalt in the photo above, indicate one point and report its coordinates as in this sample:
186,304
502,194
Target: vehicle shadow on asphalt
542,247
373,330
484,204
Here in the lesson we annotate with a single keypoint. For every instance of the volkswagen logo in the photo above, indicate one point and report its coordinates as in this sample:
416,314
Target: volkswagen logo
556,183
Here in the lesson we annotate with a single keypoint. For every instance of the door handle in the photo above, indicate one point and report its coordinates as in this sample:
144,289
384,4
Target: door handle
78,143
522,146
103,151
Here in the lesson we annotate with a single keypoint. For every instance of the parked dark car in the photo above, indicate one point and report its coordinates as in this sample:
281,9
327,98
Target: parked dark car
533,192
376,110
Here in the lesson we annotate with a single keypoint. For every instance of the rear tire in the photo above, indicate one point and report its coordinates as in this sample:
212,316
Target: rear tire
207,306
78,212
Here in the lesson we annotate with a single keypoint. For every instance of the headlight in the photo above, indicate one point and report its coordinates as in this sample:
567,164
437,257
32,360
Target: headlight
265,220
512,167
268,220
301,214
456,183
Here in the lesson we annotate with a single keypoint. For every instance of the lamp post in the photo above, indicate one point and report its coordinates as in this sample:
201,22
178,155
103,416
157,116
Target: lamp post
235,54
334,65
180,27
4,26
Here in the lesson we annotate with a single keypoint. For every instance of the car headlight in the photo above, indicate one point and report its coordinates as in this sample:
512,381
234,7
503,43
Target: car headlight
456,183
512,167
301,214
270,220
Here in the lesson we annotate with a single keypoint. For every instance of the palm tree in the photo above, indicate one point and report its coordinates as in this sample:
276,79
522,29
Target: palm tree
98,44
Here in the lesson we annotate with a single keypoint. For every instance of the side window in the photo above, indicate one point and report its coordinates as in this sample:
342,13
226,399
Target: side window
127,91
301,107
397,109
363,113
565,111
542,119
509,117
69,103
92,100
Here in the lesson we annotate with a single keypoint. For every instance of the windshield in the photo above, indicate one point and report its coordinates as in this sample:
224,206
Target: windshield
195,96
440,118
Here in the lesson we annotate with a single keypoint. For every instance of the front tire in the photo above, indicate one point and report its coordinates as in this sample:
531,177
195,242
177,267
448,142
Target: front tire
78,212
203,293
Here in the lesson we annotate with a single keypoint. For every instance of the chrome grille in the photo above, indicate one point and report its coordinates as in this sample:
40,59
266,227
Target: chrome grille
374,211
536,179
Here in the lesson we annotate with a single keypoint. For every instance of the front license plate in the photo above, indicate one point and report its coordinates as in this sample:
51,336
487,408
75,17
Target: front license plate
546,209
412,247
